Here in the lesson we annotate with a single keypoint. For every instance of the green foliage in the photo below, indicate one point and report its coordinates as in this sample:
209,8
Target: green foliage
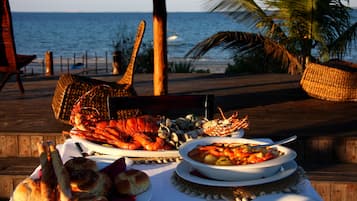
180,67
256,62
124,43
145,59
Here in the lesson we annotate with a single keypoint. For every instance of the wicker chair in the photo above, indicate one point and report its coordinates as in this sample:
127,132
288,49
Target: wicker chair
93,93
334,81
10,62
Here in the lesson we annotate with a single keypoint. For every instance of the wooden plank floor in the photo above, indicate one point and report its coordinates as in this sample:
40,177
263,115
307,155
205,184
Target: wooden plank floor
275,104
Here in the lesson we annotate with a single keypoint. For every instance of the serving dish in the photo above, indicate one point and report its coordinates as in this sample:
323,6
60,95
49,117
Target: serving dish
184,170
236,172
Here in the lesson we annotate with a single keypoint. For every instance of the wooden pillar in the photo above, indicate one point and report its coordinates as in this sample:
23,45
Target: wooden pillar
160,47
49,63
117,63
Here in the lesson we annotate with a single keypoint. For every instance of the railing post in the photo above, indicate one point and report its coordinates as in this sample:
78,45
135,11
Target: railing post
86,62
96,63
106,61
61,64
67,65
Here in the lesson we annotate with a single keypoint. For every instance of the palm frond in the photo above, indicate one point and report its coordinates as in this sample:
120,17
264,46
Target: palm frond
251,14
342,43
238,40
278,51
244,42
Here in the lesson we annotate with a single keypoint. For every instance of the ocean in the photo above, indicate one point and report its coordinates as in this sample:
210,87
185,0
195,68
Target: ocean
66,34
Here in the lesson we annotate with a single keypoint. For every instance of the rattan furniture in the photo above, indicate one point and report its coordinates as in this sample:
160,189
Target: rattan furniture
10,62
91,92
334,81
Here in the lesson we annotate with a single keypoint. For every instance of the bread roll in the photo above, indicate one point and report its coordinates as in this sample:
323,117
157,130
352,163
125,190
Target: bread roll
90,181
132,182
80,163
27,190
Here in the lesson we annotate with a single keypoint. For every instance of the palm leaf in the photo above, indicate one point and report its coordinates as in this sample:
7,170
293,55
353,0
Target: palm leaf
342,43
244,42
228,39
251,14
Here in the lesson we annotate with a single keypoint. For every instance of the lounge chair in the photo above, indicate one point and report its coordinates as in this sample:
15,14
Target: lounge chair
10,62
93,92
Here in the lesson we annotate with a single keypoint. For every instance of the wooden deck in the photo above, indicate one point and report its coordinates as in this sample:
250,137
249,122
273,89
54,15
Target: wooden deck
275,104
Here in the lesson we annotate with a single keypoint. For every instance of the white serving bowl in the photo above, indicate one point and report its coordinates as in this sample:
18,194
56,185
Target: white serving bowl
236,172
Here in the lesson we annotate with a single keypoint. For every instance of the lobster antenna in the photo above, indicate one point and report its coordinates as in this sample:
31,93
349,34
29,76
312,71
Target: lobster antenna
221,112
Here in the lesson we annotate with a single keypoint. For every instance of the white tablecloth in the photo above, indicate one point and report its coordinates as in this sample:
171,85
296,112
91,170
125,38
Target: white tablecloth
162,188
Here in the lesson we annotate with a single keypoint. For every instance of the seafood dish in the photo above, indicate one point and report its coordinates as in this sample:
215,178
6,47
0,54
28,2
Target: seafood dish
232,153
147,132
260,165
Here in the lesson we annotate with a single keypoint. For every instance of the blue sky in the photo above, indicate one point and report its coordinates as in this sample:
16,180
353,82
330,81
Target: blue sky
103,5
109,5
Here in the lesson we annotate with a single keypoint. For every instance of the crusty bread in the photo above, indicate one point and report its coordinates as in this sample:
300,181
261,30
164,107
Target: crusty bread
89,181
132,182
80,163
85,177
27,190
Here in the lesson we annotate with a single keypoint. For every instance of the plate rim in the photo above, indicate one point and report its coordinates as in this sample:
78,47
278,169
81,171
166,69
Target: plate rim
182,171
91,146
282,195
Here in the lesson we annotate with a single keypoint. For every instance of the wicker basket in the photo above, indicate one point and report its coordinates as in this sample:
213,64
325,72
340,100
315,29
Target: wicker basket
333,81
71,87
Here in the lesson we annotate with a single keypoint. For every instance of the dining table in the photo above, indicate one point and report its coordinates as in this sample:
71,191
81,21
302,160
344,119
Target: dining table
164,184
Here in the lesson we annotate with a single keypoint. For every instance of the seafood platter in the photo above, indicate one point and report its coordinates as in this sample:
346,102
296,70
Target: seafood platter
147,135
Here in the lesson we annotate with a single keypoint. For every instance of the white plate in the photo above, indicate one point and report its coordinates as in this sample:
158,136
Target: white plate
283,197
183,169
91,146
105,160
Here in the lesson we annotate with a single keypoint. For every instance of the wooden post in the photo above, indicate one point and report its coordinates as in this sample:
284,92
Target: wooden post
49,63
117,62
160,48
